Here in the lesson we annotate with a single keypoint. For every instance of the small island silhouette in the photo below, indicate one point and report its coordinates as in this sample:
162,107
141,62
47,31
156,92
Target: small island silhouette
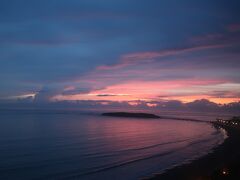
130,114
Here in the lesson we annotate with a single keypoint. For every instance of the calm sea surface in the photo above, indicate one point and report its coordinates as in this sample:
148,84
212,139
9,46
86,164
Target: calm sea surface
70,145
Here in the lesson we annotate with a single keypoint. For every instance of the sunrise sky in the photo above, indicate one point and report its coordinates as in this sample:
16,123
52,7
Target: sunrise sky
124,50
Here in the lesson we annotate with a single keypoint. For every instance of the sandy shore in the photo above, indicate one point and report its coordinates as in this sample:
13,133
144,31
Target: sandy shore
222,163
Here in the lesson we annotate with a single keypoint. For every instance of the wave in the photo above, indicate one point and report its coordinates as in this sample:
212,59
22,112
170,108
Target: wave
98,169
132,149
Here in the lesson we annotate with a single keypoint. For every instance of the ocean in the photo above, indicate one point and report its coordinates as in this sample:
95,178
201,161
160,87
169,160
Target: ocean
80,145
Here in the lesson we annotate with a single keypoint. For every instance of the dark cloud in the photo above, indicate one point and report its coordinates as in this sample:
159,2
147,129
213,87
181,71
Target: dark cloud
105,95
224,94
202,105
78,90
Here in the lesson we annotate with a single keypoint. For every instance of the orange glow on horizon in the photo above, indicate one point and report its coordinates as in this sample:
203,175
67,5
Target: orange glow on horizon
185,91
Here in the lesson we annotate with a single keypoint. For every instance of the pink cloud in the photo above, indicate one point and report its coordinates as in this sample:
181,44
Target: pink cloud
146,57
145,90
233,27
140,76
184,91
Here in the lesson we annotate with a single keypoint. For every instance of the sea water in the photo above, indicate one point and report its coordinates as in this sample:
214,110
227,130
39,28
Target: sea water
74,145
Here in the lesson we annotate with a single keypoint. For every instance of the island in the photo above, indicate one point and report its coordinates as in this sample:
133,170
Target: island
131,115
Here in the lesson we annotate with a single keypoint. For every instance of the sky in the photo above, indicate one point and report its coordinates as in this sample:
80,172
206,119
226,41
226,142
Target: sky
121,50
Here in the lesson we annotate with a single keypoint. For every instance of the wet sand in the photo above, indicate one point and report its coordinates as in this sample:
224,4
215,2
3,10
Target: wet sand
222,163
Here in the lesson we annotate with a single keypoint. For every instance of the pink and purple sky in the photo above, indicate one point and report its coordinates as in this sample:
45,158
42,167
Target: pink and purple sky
120,50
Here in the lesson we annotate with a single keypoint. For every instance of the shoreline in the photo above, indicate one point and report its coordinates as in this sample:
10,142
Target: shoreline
223,162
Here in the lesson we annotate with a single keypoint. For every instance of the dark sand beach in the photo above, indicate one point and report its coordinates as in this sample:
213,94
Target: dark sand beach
222,163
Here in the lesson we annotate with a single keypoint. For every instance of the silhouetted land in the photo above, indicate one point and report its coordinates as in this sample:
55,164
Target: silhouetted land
222,163
132,115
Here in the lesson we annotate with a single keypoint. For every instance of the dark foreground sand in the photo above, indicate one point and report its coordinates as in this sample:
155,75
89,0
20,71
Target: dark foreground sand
222,163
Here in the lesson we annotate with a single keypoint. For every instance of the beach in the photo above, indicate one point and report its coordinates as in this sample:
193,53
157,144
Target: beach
222,163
